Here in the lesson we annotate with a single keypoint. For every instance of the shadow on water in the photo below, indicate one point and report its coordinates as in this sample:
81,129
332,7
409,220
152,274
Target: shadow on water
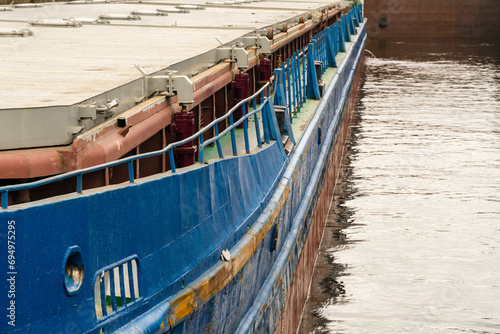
327,285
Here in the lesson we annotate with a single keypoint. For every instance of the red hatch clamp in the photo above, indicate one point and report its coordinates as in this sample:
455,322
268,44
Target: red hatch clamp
183,127
240,85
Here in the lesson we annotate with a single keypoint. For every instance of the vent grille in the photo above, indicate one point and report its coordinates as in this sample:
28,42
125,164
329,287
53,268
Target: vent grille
116,287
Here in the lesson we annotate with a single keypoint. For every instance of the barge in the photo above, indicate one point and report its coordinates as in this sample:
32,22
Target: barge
168,167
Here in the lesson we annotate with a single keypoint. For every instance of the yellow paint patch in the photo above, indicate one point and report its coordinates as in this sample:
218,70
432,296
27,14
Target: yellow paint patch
210,285
182,305
244,255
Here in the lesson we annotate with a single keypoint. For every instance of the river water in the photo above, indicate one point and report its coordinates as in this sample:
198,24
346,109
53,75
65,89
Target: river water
412,241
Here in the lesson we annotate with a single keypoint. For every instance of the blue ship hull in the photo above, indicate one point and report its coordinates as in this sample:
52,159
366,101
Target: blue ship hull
165,250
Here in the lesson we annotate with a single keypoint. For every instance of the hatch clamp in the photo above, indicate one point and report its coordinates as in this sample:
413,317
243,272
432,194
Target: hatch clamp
235,54
168,84
261,42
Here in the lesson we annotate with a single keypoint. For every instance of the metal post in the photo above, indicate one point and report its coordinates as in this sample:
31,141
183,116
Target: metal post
335,40
323,58
171,159
293,89
112,289
257,127
131,280
5,199
312,79
219,148
200,154
265,124
288,85
299,82
304,95
233,136
330,50
245,129
122,286
102,290
131,171
341,37
79,183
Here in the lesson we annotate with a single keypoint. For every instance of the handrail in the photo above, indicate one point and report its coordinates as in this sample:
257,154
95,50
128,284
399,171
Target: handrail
226,131
233,125
130,160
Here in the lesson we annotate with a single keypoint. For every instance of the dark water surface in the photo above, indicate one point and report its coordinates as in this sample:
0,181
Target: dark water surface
412,243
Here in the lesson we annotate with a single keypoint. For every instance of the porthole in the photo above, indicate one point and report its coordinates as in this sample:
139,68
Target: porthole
73,270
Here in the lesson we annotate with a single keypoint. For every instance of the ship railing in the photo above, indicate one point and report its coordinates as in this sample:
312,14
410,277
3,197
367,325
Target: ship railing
297,78
270,130
232,125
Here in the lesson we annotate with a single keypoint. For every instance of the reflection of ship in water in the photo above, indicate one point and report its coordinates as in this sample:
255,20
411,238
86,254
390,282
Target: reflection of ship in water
171,172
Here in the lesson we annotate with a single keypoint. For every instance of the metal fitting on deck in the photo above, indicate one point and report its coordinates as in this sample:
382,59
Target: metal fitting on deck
183,127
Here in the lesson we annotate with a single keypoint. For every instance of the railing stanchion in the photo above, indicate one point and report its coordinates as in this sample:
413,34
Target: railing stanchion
112,289
102,289
265,123
79,183
288,83
325,54
171,159
131,171
219,148
5,199
233,136
245,128
200,154
297,75
304,95
294,86
257,127
122,285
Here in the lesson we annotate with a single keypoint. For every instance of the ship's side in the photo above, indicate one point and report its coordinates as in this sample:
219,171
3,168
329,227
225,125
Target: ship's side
222,246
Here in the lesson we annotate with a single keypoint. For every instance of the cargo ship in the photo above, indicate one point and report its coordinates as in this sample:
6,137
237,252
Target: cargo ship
168,167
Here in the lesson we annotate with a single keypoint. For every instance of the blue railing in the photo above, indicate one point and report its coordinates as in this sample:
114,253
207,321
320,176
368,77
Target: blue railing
269,130
232,125
290,82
